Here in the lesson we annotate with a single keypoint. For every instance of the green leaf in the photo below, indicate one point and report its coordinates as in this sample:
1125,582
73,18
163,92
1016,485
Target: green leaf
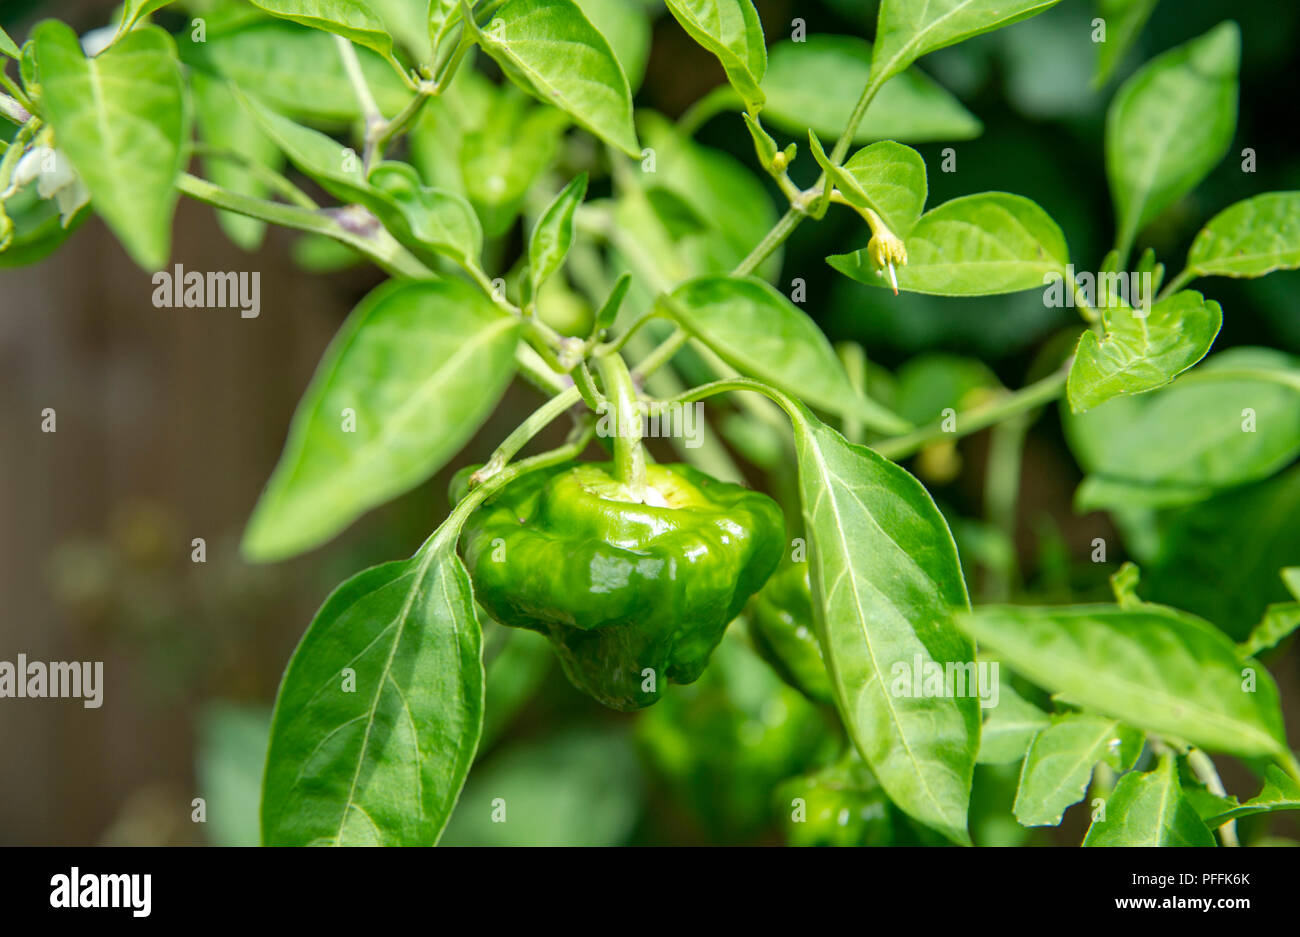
551,50
731,30
1170,124
720,209
383,762
1149,810
1009,727
8,46
815,84
135,10
625,24
106,112
907,30
1219,559
1153,667
1060,760
223,123
442,19
1234,419
411,23
760,333
1139,353
1279,621
886,580
886,177
354,20
553,235
932,382
1124,22
608,312
977,245
294,69
335,167
501,160
426,221
1280,792
408,379
580,787
1249,239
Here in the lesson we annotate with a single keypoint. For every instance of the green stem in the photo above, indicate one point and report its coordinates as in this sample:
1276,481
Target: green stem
773,239
662,354
541,418
379,246
274,180
1001,493
1176,284
402,122
1208,775
629,456
1022,401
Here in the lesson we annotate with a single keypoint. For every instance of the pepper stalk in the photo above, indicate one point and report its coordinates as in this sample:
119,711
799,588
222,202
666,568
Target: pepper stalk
629,455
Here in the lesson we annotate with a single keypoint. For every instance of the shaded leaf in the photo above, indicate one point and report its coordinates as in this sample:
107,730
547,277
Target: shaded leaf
1149,810
426,221
354,20
1009,728
1060,760
1124,22
731,30
1280,792
1249,239
553,234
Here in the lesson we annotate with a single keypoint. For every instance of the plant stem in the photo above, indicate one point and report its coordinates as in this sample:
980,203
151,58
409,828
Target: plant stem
1208,775
629,456
977,418
541,418
401,122
372,118
379,246
1002,491
274,180
661,355
1176,284
774,239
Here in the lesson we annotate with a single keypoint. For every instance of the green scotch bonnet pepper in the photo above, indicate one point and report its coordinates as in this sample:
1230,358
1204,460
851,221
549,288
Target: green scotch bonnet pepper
630,592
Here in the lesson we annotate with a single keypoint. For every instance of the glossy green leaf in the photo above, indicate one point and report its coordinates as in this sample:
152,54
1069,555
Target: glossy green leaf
408,379
226,125
1140,352
1149,810
1059,764
335,167
626,26
108,110
1235,419
1280,792
295,70
8,46
731,30
977,245
379,712
760,333
907,30
1170,124
886,177
608,312
1249,239
550,49
886,580
814,85
1009,728
354,20
553,234
1153,667
426,221
1124,21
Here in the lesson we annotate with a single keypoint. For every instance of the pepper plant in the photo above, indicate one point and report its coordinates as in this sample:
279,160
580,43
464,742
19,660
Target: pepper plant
489,158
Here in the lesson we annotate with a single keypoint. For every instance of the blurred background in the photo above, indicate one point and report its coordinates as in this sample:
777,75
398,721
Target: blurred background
169,422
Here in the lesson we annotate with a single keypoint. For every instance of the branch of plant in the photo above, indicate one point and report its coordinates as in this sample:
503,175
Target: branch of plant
1176,284
274,180
540,418
1002,492
1208,775
979,417
629,455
